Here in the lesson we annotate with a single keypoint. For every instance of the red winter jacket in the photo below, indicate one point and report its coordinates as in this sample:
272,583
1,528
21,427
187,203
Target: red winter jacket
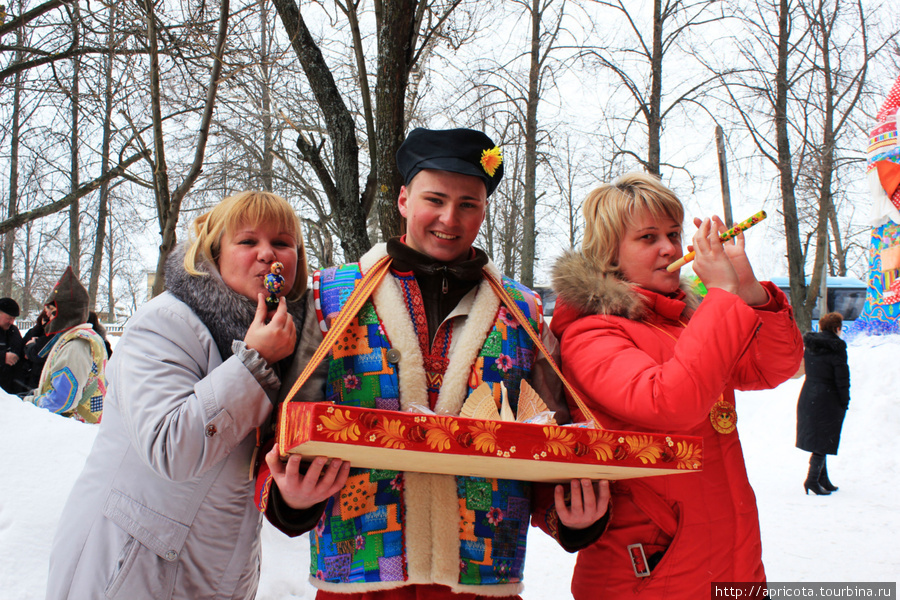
647,362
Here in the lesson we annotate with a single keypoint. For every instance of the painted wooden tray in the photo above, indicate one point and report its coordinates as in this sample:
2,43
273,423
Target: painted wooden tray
381,439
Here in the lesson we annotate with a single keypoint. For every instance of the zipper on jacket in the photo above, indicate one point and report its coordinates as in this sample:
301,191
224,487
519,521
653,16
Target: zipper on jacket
445,286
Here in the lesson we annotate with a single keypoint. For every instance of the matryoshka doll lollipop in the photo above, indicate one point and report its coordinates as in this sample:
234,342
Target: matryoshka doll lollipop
274,284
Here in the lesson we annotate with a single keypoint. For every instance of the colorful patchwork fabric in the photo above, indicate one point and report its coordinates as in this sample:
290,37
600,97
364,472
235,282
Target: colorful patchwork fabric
494,516
492,551
63,387
360,537
508,353
359,373
60,389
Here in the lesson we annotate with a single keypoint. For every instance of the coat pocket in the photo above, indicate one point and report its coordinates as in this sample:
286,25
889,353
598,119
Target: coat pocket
654,524
148,559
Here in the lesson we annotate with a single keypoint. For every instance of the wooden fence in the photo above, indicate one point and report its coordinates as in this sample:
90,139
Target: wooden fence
111,328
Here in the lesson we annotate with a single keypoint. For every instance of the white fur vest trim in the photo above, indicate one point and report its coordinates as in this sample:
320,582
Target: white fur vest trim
468,339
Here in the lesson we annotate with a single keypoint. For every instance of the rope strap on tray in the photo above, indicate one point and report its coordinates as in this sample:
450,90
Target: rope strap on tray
520,317
367,286
354,303
340,323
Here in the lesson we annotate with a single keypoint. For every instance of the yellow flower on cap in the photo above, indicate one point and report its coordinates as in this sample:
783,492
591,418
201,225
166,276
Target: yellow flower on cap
490,160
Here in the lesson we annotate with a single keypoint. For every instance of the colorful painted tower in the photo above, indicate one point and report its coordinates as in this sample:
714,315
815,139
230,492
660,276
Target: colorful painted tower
881,313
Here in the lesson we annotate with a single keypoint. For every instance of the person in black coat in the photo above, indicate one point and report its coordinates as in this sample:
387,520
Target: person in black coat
35,340
823,400
10,346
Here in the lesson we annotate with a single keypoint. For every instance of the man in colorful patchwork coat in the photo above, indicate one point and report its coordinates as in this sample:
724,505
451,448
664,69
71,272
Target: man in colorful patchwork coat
73,380
432,332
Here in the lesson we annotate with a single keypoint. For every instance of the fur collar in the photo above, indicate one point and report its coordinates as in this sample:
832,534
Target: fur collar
223,311
581,285
823,342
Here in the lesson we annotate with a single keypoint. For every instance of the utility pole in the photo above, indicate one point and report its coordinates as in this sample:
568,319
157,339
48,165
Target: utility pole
723,176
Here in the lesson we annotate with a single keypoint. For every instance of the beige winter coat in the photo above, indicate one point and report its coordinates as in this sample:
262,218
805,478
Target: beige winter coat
164,508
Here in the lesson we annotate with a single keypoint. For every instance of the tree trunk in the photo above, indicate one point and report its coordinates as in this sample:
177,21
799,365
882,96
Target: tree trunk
9,240
267,169
343,191
395,39
487,229
654,119
110,288
529,200
28,278
840,252
158,162
103,208
826,174
173,208
75,207
786,173
723,176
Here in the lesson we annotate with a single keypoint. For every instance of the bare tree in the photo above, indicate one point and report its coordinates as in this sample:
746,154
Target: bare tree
405,30
797,95
66,201
571,168
19,21
513,88
168,202
639,64
74,94
55,135
9,239
501,232
107,133
341,181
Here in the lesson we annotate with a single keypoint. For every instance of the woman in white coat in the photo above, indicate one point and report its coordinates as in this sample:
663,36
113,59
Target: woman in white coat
164,508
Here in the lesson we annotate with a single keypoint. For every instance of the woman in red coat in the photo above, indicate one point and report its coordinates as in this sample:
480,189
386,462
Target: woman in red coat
648,358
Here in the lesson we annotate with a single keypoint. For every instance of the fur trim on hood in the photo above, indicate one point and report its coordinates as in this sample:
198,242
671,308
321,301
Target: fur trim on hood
590,291
823,342
225,313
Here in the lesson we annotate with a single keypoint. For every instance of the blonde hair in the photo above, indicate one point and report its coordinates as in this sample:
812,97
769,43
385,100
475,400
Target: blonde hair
248,209
612,208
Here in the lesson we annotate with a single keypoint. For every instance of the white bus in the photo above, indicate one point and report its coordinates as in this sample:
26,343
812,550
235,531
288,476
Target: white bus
846,295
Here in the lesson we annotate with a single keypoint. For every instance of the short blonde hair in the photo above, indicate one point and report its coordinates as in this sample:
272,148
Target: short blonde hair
247,209
613,207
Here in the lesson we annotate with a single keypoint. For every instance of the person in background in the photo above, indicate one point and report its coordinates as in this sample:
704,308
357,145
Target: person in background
11,346
35,339
646,357
94,320
823,400
73,379
432,332
163,508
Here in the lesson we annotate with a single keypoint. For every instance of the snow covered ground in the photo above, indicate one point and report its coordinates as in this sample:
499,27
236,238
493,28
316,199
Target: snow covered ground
849,536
